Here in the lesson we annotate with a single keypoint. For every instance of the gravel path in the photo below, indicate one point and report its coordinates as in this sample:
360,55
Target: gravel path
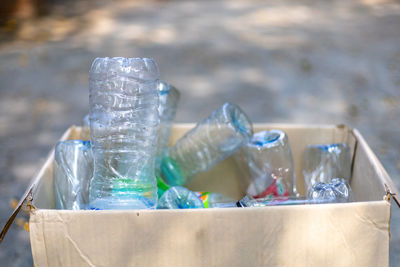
281,61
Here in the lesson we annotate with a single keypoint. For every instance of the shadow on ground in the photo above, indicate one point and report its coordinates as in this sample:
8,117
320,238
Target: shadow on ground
281,61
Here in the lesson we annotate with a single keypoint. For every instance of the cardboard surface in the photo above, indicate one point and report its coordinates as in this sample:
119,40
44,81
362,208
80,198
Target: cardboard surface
314,235
351,234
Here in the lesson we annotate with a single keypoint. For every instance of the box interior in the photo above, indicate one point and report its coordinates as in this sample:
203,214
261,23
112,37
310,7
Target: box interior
300,235
224,178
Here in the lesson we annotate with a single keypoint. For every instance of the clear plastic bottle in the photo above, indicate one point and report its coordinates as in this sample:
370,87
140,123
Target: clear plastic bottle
213,200
267,165
211,141
325,162
169,98
73,169
123,127
336,191
179,197
249,201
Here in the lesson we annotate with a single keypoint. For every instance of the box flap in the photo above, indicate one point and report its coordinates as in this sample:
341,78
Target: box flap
366,164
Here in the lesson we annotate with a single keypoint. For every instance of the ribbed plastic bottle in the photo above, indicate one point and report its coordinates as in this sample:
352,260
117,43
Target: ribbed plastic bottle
336,191
124,123
169,98
266,163
179,197
73,169
322,163
211,141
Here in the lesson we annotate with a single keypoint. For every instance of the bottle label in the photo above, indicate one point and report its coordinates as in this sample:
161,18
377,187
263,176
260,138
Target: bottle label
162,186
204,196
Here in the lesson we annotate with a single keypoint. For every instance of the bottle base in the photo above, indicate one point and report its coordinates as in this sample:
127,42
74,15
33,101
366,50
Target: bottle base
110,203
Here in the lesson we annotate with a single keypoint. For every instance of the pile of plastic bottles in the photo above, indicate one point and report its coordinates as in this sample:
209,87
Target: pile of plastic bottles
127,164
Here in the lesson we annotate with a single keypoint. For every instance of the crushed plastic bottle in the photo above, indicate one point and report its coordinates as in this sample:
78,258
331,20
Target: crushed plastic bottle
325,162
179,197
73,169
211,141
123,127
267,165
249,201
336,191
213,200
169,98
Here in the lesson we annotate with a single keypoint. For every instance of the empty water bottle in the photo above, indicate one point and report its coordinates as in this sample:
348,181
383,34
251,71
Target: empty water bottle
267,165
169,98
325,162
124,123
336,191
73,168
249,201
179,197
210,142
213,200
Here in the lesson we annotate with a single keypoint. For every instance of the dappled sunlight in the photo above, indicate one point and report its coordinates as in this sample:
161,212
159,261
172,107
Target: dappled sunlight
101,27
375,2
254,75
200,86
328,62
282,16
162,35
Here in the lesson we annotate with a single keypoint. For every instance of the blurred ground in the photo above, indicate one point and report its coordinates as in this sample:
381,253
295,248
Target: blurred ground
281,61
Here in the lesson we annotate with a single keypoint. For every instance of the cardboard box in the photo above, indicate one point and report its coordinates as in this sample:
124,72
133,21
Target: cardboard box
350,234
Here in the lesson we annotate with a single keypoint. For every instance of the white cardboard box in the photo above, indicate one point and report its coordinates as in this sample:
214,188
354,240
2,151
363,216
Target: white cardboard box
350,234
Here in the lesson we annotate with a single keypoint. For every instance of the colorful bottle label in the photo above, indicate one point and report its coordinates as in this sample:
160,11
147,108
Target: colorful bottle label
205,197
161,186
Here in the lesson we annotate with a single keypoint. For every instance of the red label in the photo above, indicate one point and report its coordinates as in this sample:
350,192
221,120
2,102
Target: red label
276,189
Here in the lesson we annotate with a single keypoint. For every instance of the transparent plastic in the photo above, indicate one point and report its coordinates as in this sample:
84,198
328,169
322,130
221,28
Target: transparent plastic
336,191
124,124
210,142
86,121
325,162
266,164
161,186
249,201
73,169
213,200
169,98
179,197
